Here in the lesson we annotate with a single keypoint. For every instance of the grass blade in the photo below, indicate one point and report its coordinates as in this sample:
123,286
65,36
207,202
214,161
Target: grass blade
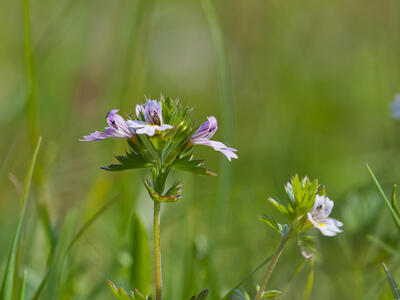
392,211
392,283
141,267
23,286
8,280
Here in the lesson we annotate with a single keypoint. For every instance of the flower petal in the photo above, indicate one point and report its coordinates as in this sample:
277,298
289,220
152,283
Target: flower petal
205,130
135,124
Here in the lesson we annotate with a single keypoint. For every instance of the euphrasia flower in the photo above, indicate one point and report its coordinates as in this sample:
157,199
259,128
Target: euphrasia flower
319,214
150,119
118,128
395,105
205,132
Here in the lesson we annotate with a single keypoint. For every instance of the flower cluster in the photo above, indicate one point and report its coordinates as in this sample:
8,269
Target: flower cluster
308,207
161,138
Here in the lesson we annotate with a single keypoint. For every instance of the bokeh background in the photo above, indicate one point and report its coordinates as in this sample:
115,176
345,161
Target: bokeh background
297,87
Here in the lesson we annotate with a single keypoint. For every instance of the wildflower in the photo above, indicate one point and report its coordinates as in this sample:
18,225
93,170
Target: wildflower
395,105
117,128
205,132
319,214
150,119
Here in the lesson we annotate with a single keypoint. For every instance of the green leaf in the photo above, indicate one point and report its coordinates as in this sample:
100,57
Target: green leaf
189,164
394,201
8,280
282,229
123,295
270,221
201,296
120,292
392,283
396,218
156,197
141,267
23,286
272,294
239,294
278,206
132,160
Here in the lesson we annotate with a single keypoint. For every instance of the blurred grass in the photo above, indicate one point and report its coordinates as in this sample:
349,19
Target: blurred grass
312,81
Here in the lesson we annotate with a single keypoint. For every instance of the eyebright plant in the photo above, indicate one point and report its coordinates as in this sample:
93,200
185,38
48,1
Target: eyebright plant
160,138
308,207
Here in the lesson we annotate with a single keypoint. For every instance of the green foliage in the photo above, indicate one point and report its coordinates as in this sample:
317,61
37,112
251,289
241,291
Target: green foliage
189,164
393,285
392,205
123,295
301,194
201,296
141,265
272,294
172,195
8,285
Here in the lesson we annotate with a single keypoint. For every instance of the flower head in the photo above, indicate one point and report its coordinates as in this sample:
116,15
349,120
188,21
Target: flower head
205,132
117,128
150,119
318,216
395,105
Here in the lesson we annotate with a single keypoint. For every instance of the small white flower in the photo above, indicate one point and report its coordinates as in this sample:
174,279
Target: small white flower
319,214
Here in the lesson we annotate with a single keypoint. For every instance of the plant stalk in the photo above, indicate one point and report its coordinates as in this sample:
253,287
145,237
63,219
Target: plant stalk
157,249
271,266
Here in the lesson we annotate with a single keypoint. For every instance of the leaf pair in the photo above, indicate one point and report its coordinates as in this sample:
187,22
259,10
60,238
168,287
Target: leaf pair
123,295
172,195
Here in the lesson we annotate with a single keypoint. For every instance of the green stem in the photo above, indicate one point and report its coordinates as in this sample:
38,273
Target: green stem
271,266
157,249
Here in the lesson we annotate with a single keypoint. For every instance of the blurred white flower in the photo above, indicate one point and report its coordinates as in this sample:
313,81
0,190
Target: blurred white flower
319,214
395,106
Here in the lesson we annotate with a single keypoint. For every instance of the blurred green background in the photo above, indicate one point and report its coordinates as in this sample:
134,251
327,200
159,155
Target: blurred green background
297,87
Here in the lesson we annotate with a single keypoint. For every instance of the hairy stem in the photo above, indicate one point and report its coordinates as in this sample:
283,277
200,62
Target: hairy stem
157,249
271,266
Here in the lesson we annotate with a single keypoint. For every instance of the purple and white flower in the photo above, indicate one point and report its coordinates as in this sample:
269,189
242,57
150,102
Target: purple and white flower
118,128
151,112
205,132
395,105
319,214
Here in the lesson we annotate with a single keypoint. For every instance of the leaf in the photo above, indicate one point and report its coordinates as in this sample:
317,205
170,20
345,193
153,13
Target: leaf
123,295
239,294
272,294
278,206
201,296
396,218
270,221
392,283
282,229
132,160
140,271
8,281
188,164
156,197
120,292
